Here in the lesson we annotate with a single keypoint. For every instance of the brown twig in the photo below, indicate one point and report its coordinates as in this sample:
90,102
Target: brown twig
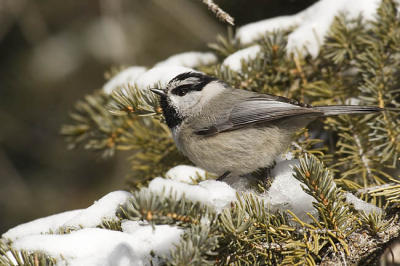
219,13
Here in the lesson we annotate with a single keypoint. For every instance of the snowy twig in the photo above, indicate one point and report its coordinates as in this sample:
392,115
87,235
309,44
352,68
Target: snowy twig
219,13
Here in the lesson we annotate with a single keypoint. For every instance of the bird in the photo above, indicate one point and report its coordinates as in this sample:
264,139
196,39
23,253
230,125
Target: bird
229,131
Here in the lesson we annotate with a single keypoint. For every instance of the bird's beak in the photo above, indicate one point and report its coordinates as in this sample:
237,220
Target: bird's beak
159,92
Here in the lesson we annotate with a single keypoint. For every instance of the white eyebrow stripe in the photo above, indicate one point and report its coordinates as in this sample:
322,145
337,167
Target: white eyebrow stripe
188,81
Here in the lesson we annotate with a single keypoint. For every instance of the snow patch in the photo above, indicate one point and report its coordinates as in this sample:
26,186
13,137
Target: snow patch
185,173
131,227
361,205
124,78
160,75
312,23
41,225
138,239
256,30
234,61
286,191
189,59
94,246
144,79
210,192
104,208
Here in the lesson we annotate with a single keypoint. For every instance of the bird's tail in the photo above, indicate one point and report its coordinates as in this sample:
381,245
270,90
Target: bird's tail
347,109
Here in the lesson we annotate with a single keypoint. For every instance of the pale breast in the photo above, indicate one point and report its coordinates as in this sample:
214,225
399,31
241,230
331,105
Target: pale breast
240,152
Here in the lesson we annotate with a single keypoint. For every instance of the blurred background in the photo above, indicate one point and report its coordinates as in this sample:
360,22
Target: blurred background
52,53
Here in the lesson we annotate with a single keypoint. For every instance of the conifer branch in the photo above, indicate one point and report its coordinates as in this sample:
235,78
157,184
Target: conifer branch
155,151
375,222
334,212
225,46
93,126
390,192
23,258
131,100
164,208
197,247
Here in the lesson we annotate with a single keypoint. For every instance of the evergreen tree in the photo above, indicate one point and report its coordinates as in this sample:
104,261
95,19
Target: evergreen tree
359,62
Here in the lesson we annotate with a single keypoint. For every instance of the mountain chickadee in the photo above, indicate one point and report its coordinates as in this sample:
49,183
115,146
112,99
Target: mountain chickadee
231,131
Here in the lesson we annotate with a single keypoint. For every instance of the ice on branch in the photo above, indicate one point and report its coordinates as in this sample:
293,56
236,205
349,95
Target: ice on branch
189,59
312,24
124,78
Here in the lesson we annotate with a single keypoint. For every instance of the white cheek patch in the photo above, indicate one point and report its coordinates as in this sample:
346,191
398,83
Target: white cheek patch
211,90
188,104
175,102
194,101
190,100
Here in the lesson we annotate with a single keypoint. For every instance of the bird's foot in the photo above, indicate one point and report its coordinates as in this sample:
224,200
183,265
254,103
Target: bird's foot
263,174
224,175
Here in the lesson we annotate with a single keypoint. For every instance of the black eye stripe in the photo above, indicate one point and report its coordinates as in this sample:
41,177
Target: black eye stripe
197,83
183,89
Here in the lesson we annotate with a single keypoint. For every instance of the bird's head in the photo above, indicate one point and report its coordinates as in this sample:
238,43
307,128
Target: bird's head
186,95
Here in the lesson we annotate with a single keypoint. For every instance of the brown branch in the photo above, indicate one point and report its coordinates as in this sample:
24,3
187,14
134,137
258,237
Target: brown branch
219,13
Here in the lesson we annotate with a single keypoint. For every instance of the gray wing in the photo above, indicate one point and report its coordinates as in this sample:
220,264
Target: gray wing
256,110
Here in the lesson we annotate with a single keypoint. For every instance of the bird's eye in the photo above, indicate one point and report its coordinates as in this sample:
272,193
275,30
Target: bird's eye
181,90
